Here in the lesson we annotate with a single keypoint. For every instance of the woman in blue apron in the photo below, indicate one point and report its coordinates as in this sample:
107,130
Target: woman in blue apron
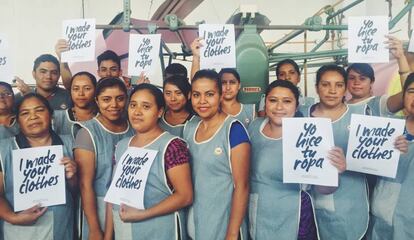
220,160
288,70
168,187
53,222
94,153
82,92
230,80
342,214
178,111
8,123
361,78
276,208
391,204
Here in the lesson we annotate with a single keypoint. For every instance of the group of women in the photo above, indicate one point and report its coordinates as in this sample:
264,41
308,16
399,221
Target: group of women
218,169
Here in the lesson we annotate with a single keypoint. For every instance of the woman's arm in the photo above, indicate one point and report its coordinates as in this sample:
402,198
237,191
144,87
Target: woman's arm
180,178
86,163
395,102
240,164
26,217
195,64
109,223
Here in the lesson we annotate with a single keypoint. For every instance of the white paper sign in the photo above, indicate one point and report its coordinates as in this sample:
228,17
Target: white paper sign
130,178
144,53
371,145
306,142
219,47
366,37
5,60
38,177
80,35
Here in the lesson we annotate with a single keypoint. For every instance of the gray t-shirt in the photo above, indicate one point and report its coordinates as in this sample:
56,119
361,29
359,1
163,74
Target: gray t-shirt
59,100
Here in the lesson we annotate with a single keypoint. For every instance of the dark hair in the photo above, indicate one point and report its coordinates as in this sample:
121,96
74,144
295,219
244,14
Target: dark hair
46,58
330,68
37,96
109,55
362,68
285,84
87,74
231,71
209,74
181,83
408,81
284,62
108,82
176,69
156,92
7,86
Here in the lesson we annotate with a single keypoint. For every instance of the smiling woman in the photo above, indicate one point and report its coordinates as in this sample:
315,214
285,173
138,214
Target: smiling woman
94,150
34,117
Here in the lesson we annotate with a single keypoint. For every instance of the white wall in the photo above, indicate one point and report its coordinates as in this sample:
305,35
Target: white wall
34,26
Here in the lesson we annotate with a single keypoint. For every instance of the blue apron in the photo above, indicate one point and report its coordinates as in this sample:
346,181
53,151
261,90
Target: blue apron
176,130
11,131
247,114
156,190
213,182
57,222
104,142
274,206
344,213
392,207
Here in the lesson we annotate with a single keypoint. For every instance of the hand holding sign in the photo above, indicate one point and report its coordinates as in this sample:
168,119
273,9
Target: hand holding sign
80,37
38,177
305,152
130,178
371,145
218,49
366,39
29,216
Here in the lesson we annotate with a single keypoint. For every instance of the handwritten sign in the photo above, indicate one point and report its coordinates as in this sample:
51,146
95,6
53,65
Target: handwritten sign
371,145
130,178
366,36
144,53
5,60
80,35
219,47
38,177
306,142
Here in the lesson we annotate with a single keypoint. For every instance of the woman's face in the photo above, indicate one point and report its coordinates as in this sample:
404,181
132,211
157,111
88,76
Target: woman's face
331,89
82,91
230,86
409,100
111,103
288,72
174,98
143,111
33,118
6,100
205,97
359,86
280,103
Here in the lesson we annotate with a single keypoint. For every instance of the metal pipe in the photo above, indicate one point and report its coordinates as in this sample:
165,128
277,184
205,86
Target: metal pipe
261,27
299,56
400,15
329,18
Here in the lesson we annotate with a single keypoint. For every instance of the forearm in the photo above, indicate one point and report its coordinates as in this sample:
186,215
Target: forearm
238,210
174,202
6,213
403,69
89,205
195,66
109,223
66,75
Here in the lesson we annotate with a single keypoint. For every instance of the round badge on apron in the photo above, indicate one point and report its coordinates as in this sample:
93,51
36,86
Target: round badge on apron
218,151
